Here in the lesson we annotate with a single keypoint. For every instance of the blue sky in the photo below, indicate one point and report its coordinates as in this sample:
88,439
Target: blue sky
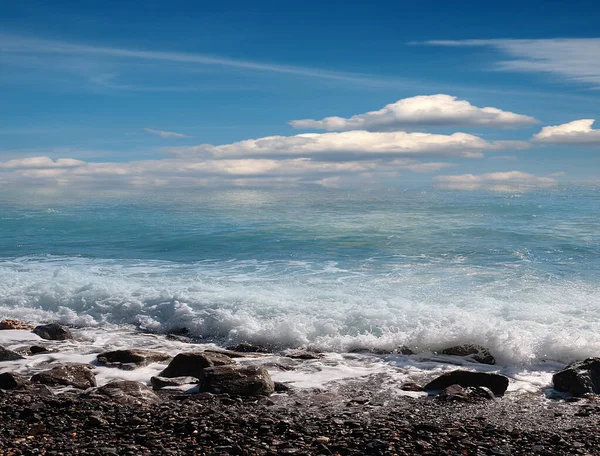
182,94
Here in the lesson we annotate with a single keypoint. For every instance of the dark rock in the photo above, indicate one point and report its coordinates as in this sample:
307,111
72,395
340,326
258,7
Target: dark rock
131,359
180,338
191,364
80,376
476,353
237,381
411,386
495,382
281,387
302,354
15,324
162,382
579,378
9,355
246,347
231,354
469,394
8,380
35,349
53,331
404,350
128,391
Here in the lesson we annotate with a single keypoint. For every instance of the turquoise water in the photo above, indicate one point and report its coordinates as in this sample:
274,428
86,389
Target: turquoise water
331,269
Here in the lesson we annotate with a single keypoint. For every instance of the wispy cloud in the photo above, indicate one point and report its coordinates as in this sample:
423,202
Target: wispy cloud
166,134
572,59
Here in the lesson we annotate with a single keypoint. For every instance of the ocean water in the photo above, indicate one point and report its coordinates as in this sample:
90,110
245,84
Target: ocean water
332,270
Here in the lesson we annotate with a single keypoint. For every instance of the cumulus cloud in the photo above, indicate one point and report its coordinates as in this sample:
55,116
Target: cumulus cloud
511,181
430,110
166,134
355,145
578,132
40,163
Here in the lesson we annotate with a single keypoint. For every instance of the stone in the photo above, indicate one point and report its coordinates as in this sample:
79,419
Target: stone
79,376
53,331
473,352
9,355
9,380
246,347
579,378
411,386
35,349
163,382
495,382
469,394
237,381
191,364
302,354
15,324
128,391
131,359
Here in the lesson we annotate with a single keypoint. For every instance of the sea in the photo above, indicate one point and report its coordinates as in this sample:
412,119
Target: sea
349,273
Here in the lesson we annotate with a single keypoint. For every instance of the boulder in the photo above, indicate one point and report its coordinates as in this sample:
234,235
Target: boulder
53,331
128,391
163,382
15,324
237,381
131,359
9,355
411,386
302,354
78,375
191,364
495,382
475,353
246,347
8,380
36,349
469,394
580,378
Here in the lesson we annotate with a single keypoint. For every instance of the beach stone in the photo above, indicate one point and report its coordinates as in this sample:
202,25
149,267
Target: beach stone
131,359
77,375
35,349
411,386
579,378
128,391
53,331
192,364
162,382
237,381
495,382
476,353
15,324
9,380
469,394
9,355
246,347
302,354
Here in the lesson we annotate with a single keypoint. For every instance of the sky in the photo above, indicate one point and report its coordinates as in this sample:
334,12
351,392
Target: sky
465,95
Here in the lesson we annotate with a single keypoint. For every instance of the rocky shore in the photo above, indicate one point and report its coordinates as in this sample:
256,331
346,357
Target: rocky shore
216,402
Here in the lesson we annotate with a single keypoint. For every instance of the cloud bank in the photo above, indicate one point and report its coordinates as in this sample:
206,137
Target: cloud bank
511,181
578,132
420,111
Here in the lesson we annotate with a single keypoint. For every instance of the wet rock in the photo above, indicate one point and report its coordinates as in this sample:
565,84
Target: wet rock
162,382
180,338
9,355
404,350
53,331
237,381
411,386
192,364
469,394
229,353
495,382
79,376
281,387
128,391
579,378
131,359
302,354
246,347
15,324
36,349
8,380
472,352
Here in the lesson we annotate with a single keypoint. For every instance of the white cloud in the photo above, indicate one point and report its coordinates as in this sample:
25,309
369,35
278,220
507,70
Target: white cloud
573,59
511,181
355,145
430,110
40,162
578,132
166,134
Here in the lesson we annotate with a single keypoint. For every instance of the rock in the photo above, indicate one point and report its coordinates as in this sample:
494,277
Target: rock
53,331
191,364
180,338
237,381
281,387
495,382
404,350
246,347
476,353
9,355
579,378
8,380
302,354
469,394
131,359
35,349
411,386
79,376
229,353
128,391
15,324
162,382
